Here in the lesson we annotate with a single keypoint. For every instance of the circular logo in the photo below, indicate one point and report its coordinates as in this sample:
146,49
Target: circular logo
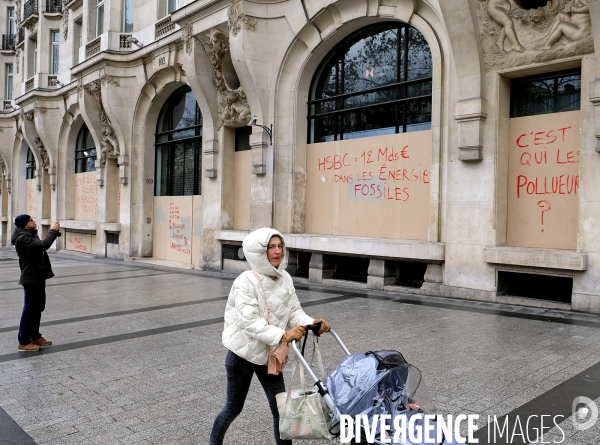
584,417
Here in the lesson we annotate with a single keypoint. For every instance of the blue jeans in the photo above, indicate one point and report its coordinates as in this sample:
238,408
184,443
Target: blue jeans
239,377
35,303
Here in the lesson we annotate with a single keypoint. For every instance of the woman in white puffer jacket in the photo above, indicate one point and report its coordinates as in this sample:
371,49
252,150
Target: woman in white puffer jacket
251,329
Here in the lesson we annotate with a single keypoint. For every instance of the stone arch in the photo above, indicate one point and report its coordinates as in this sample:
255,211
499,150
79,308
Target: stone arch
72,122
19,157
155,93
293,85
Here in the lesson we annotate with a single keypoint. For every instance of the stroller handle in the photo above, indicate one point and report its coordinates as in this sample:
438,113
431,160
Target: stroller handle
322,390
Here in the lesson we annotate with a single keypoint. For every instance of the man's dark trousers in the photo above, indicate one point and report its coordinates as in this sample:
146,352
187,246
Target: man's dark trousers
35,303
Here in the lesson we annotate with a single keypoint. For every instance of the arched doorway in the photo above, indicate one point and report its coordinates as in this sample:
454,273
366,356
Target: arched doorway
369,136
84,191
31,190
178,179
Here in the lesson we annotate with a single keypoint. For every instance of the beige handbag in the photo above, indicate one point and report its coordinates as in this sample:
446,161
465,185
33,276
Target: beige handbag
302,412
279,356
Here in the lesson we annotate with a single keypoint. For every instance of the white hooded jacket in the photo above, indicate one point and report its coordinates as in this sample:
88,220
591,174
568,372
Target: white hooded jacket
247,332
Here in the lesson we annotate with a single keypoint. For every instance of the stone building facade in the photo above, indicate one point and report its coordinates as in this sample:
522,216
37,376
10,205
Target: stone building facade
424,146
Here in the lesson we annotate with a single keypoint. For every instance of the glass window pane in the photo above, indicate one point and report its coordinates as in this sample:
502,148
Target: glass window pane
328,82
552,94
322,107
128,16
54,68
183,134
184,113
371,60
568,93
371,98
324,129
177,169
100,20
171,6
418,115
419,63
375,121
189,183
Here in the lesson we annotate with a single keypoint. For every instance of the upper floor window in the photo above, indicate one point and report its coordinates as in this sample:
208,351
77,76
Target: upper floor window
376,81
171,6
34,52
85,151
546,93
179,146
99,17
10,28
55,39
128,15
9,81
30,165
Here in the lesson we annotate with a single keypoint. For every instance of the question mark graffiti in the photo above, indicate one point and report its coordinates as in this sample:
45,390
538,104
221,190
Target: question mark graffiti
545,206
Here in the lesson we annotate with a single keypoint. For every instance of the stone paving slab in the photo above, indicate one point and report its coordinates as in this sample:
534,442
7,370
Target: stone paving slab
166,388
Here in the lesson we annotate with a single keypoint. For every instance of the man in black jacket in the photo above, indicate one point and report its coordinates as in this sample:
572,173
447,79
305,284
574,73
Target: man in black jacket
35,270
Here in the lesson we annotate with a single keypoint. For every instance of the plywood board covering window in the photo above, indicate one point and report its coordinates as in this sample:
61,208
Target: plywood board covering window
373,187
543,180
241,183
86,196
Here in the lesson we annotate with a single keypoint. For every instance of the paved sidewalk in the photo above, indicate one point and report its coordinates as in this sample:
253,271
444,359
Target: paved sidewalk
138,356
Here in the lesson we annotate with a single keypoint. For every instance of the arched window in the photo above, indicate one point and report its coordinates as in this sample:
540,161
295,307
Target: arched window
376,81
30,165
85,151
179,146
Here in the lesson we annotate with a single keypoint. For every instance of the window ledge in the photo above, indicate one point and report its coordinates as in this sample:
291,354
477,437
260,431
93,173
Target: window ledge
73,4
80,225
535,257
52,14
352,245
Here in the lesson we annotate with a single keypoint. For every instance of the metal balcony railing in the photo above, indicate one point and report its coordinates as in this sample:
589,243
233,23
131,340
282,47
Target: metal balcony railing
30,8
7,105
20,38
53,6
163,27
8,42
52,81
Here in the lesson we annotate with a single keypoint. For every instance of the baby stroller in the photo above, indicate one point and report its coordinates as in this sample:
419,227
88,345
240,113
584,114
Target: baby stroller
372,384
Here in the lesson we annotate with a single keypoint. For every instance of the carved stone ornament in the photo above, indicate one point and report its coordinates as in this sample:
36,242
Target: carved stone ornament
238,18
80,87
17,58
18,11
233,106
29,115
106,78
2,166
109,142
512,36
187,35
65,21
43,153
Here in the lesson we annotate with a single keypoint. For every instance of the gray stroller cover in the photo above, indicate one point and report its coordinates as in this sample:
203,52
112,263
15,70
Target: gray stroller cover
381,382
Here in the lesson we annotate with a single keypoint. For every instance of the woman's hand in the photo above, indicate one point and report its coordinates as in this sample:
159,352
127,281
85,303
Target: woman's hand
296,333
413,406
324,326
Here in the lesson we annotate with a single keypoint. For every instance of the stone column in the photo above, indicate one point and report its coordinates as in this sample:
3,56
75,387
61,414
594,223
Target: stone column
381,273
320,268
